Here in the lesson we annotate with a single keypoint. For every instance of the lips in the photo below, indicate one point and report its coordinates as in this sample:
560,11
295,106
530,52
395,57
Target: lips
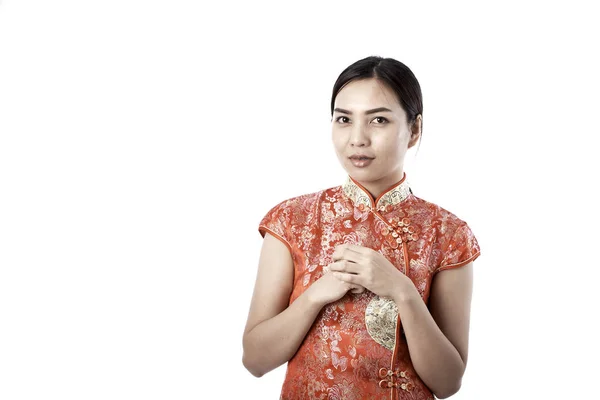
360,160
360,157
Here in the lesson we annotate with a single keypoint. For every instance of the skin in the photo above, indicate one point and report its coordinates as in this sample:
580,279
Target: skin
437,334
385,135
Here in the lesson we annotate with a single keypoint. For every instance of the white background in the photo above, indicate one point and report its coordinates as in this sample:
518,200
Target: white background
141,142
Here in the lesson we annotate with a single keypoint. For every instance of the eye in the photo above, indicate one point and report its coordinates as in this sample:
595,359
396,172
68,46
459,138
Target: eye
380,120
342,119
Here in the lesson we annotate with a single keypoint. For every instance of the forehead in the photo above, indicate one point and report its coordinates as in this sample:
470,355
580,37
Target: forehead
366,94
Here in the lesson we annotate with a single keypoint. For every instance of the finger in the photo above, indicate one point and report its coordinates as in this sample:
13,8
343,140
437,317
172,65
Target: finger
344,252
349,278
354,247
357,289
338,252
345,266
365,253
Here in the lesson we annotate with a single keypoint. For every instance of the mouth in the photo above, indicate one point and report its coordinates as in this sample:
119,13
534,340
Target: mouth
361,161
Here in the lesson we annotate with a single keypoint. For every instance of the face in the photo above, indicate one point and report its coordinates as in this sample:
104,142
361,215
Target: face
371,135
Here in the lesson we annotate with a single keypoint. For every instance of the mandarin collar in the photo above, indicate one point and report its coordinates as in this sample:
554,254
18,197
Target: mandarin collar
361,197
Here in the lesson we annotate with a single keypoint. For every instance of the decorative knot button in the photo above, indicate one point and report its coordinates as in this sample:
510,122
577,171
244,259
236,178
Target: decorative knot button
401,230
395,379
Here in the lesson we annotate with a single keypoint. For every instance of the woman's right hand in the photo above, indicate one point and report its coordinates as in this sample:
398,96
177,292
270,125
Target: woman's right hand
328,289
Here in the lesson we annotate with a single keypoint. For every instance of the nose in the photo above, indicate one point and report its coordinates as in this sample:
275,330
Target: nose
358,136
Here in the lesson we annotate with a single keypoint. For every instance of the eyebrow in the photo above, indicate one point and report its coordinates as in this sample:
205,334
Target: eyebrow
373,111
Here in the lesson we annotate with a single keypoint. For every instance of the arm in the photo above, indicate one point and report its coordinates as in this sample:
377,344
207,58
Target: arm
275,331
438,337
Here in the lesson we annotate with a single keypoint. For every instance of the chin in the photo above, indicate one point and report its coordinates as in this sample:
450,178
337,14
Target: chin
363,174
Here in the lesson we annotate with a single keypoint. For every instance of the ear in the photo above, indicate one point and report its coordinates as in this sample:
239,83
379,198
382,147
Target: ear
415,131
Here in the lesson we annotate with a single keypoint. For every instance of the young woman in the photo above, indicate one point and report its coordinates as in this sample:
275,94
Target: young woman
364,288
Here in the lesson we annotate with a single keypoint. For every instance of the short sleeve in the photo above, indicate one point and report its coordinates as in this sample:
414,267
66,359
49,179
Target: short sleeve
460,250
276,222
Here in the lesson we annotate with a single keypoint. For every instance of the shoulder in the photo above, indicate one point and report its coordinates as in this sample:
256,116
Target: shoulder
436,216
291,214
306,202
454,244
301,209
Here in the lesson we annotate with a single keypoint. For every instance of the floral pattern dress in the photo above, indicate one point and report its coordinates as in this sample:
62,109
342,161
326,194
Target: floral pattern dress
355,348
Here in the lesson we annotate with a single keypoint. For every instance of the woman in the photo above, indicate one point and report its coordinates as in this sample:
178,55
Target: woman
364,288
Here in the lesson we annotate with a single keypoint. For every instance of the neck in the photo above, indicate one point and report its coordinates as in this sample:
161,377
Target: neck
375,188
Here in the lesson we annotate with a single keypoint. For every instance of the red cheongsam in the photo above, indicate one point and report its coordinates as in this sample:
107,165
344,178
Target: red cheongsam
356,349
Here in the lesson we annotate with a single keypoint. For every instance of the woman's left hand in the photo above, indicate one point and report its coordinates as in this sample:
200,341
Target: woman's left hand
368,268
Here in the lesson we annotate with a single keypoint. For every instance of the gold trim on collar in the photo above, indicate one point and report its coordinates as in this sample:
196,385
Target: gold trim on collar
356,194
360,196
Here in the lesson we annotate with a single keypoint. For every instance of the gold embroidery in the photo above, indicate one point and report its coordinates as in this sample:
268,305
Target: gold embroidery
356,194
361,198
381,316
394,196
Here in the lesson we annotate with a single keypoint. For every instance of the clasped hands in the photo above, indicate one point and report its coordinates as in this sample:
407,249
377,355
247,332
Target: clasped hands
369,269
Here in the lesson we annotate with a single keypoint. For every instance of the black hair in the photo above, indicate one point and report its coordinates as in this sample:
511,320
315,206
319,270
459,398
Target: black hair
394,74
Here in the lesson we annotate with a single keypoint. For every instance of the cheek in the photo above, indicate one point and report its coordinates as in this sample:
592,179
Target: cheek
390,148
338,140
393,141
387,143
